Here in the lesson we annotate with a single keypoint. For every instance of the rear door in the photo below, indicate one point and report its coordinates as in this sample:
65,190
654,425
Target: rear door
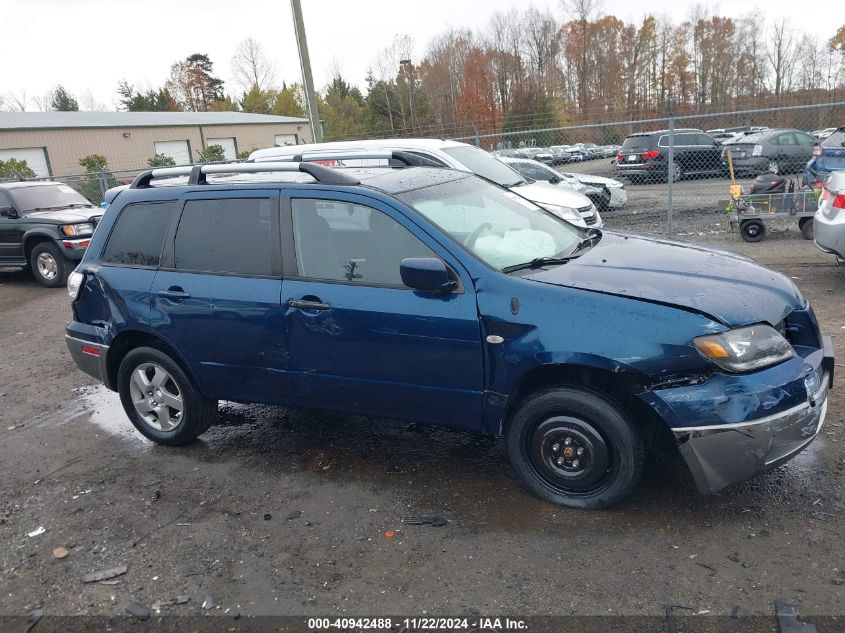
358,338
11,235
216,296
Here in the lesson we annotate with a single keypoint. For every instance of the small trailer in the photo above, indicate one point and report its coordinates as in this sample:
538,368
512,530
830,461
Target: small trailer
750,212
771,197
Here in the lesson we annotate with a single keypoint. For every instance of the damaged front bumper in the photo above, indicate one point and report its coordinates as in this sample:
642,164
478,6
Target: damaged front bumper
723,451
720,455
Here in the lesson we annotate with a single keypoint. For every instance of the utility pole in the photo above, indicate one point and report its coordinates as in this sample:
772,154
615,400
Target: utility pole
307,79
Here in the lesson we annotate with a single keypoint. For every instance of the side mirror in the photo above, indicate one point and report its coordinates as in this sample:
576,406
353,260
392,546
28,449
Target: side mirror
429,274
555,180
8,212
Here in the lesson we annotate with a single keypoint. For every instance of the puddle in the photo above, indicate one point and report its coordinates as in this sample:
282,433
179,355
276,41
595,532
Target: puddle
102,408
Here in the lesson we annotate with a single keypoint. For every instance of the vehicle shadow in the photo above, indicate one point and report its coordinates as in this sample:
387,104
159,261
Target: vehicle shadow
468,477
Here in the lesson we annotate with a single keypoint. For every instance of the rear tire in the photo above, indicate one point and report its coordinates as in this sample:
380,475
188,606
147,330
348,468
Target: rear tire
49,265
159,398
806,226
752,230
574,448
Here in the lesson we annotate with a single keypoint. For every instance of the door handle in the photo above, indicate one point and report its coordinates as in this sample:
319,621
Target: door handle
174,294
304,304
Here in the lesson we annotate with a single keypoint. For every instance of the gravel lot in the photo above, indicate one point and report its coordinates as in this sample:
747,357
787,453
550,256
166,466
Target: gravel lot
277,511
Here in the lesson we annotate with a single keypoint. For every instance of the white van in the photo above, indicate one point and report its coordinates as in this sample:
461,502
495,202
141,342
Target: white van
569,205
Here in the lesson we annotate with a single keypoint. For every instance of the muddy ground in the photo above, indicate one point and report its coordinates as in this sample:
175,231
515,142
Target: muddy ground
277,511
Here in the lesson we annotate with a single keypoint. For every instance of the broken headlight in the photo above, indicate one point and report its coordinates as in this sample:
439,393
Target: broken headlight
745,348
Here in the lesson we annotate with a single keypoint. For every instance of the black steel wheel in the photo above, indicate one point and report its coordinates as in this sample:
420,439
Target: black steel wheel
575,448
752,230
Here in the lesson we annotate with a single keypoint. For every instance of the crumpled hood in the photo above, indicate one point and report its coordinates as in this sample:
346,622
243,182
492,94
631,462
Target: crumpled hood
65,216
546,193
727,287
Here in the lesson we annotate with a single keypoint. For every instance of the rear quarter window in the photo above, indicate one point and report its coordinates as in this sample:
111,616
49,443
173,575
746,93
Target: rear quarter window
138,235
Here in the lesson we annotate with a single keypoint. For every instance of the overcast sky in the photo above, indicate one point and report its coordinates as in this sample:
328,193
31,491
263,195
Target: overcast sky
89,45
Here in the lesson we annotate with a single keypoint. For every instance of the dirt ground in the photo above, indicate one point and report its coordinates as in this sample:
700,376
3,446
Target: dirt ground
278,511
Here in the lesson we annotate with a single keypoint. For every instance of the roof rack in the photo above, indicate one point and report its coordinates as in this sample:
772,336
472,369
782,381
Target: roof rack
197,173
395,158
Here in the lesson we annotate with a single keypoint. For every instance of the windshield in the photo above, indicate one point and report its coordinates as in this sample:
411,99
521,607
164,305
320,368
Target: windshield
837,139
499,227
480,162
46,196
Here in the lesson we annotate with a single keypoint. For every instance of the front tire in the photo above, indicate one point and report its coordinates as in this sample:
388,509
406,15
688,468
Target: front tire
49,265
159,398
575,448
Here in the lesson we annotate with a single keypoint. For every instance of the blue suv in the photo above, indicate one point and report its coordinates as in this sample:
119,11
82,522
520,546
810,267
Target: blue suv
433,295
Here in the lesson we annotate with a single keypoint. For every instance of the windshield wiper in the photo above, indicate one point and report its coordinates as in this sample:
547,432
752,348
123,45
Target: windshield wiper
539,262
592,235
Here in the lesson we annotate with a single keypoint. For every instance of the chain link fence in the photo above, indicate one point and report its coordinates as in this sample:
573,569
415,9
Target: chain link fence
677,169
674,173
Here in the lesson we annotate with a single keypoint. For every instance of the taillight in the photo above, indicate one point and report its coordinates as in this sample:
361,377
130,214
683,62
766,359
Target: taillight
619,157
817,151
652,153
839,201
74,285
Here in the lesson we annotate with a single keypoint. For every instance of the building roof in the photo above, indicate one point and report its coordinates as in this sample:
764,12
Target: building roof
63,120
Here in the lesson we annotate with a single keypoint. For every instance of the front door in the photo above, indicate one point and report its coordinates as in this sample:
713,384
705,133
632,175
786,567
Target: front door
358,338
216,296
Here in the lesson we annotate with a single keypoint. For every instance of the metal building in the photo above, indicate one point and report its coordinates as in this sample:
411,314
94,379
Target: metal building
53,142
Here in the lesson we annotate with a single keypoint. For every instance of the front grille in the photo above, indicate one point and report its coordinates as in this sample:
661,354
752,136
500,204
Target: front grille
590,220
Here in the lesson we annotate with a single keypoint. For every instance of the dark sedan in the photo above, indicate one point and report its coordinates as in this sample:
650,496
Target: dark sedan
781,151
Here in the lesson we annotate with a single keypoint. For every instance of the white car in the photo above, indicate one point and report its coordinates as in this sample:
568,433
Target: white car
618,194
569,205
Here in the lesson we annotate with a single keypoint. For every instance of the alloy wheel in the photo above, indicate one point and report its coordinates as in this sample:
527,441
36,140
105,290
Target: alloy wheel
156,397
47,265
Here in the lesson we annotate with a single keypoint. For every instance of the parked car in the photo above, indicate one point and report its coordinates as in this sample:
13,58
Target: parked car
542,154
829,220
592,150
44,226
616,189
569,205
534,170
645,156
778,151
828,156
436,296
561,155
823,134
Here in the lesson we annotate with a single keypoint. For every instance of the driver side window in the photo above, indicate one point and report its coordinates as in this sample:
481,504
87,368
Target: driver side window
351,243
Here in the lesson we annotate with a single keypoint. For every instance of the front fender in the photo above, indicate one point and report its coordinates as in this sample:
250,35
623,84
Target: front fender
643,343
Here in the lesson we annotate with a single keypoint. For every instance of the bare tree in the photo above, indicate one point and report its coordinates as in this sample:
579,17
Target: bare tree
780,54
251,66
89,103
16,102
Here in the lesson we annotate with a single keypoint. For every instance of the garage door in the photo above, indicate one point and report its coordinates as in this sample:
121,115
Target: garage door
180,151
228,145
35,157
285,139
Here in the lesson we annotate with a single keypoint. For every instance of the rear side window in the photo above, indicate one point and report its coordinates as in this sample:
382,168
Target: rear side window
138,234
225,236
